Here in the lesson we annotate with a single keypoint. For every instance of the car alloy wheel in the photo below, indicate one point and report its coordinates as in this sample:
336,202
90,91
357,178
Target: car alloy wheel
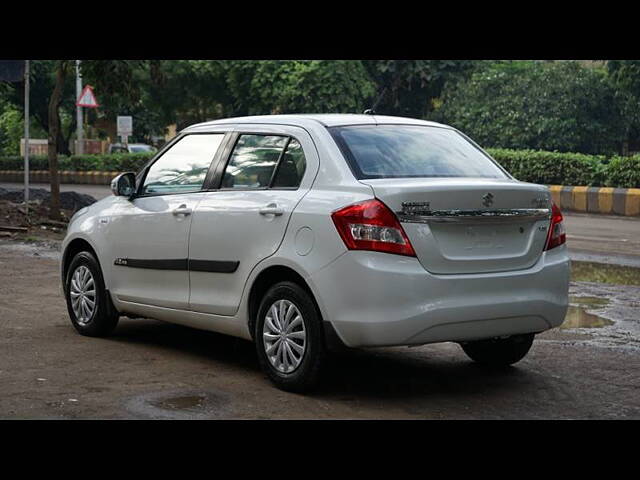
284,336
83,294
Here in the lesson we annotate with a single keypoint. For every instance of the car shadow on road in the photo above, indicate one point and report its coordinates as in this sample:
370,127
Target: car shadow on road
187,341
388,373
402,372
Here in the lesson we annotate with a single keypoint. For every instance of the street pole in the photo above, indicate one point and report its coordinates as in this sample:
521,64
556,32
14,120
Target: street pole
79,131
26,135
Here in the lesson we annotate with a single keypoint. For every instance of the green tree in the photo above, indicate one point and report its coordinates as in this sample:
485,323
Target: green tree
560,106
410,87
317,86
42,81
239,75
11,129
189,91
122,87
625,75
160,92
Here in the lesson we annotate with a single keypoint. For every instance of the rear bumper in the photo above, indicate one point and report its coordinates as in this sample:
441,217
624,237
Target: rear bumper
377,299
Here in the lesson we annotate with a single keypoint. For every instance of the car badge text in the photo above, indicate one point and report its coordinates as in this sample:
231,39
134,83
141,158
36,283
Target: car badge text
416,208
539,202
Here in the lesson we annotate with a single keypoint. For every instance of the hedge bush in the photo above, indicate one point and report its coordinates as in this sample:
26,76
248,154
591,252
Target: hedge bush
572,169
552,168
115,162
623,172
548,168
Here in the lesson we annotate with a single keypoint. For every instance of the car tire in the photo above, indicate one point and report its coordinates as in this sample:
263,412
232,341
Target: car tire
500,351
285,365
84,282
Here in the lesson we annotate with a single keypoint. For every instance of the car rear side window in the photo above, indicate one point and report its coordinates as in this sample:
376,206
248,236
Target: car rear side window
392,151
291,167
183,167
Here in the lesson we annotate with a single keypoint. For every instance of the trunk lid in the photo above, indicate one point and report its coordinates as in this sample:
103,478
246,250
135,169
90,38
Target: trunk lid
469,225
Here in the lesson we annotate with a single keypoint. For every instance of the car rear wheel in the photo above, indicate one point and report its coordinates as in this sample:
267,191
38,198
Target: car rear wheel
499,351
288,337
88,303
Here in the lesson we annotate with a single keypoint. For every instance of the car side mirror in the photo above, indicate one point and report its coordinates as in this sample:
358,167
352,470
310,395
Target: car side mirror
124,185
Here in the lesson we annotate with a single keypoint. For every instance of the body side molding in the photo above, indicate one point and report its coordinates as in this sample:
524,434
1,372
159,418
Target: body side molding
211,266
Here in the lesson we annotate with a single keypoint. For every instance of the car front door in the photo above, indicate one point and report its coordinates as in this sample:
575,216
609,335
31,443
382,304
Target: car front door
149,235
244,218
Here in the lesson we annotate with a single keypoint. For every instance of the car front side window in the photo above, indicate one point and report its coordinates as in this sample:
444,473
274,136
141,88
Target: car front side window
183,168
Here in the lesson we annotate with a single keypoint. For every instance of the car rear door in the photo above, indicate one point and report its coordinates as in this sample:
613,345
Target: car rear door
149,235
265,172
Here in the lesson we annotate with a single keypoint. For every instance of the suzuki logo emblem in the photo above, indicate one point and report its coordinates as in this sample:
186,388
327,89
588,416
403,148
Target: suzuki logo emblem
487,200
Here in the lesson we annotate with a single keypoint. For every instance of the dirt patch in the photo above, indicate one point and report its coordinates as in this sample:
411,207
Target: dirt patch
72,201
33,224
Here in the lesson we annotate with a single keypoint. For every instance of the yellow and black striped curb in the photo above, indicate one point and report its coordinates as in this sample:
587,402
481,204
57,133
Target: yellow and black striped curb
609,200
66,176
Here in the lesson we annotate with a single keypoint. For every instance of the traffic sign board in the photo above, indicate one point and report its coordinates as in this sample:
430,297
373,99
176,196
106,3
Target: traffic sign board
125,125
87,98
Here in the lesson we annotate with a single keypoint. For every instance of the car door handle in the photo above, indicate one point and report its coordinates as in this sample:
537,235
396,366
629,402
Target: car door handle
182,210
271,209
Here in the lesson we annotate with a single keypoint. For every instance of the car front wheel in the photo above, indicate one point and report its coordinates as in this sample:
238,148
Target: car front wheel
88,303
289,338
499,351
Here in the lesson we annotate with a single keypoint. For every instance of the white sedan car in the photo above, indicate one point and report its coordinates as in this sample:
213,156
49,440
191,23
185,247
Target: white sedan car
307,233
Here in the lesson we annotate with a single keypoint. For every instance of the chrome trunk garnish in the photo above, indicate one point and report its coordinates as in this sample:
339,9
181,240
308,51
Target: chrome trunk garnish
473,216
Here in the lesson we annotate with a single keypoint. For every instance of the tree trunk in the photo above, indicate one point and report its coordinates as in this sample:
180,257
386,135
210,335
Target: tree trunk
54,131
65,137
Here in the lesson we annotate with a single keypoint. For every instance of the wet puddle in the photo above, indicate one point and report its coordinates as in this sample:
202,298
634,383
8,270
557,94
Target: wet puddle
190,402
604,273
180,405
578,317
593,302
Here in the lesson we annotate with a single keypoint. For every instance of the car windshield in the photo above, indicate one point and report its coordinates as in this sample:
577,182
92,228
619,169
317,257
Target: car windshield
391,151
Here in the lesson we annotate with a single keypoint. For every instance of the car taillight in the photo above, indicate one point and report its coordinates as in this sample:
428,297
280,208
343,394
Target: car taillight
557,235
371,225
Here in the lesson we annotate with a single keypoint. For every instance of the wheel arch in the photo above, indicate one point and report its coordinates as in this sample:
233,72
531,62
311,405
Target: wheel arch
264,280
75,246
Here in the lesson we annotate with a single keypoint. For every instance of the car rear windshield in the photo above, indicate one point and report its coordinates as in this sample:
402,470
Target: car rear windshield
392,151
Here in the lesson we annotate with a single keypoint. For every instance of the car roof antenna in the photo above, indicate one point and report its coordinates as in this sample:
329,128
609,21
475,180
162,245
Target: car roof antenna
372,110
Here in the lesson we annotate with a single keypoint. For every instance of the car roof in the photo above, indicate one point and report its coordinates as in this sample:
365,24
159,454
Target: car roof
326,119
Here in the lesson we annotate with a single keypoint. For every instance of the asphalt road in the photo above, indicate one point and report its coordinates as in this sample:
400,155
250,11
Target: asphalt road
153,370
605,238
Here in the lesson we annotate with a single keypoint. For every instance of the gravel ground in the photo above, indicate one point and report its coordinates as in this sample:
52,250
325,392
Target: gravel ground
154,370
